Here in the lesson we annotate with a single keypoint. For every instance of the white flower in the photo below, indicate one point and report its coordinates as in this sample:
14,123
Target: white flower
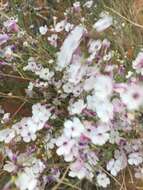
69,46
94,46
73,128
76,70
8,52
60,26
77,107
104,110
53,40
135,158
88,4
115,165
40,113
32,65
100,135
7,135
43,29
103,87
26,180
103,23
68,87
114,137
68,27
64,145
132,97
103,180
76,4
130,73
45,74
138,63
81,170
28,135
5,118
28,126
9,166
89,83
37,167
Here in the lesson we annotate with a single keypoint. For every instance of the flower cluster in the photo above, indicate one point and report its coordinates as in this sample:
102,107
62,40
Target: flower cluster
86,108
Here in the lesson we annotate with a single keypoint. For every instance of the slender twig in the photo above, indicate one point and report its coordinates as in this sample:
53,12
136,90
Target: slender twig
111,176
14,76
71,185
18,110
124,180
131,176
123,17
13,96
60,181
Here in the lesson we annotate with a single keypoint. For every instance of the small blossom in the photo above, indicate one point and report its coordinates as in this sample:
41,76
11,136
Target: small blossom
7,135
88,4
81,170
53,39
103,180
3,38
103,87
64,145
60,26
73,128
135,158
43,29
45,74
132,97
77,107
117,164
26,180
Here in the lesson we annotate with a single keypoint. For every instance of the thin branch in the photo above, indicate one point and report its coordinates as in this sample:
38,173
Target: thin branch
13,96
111,176
60,181
123,17
18,110
14,76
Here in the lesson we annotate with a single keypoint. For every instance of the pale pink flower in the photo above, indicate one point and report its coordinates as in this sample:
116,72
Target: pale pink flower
132,97
76,70
81,170
11,25
3,38
65,145
73,128
98,135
